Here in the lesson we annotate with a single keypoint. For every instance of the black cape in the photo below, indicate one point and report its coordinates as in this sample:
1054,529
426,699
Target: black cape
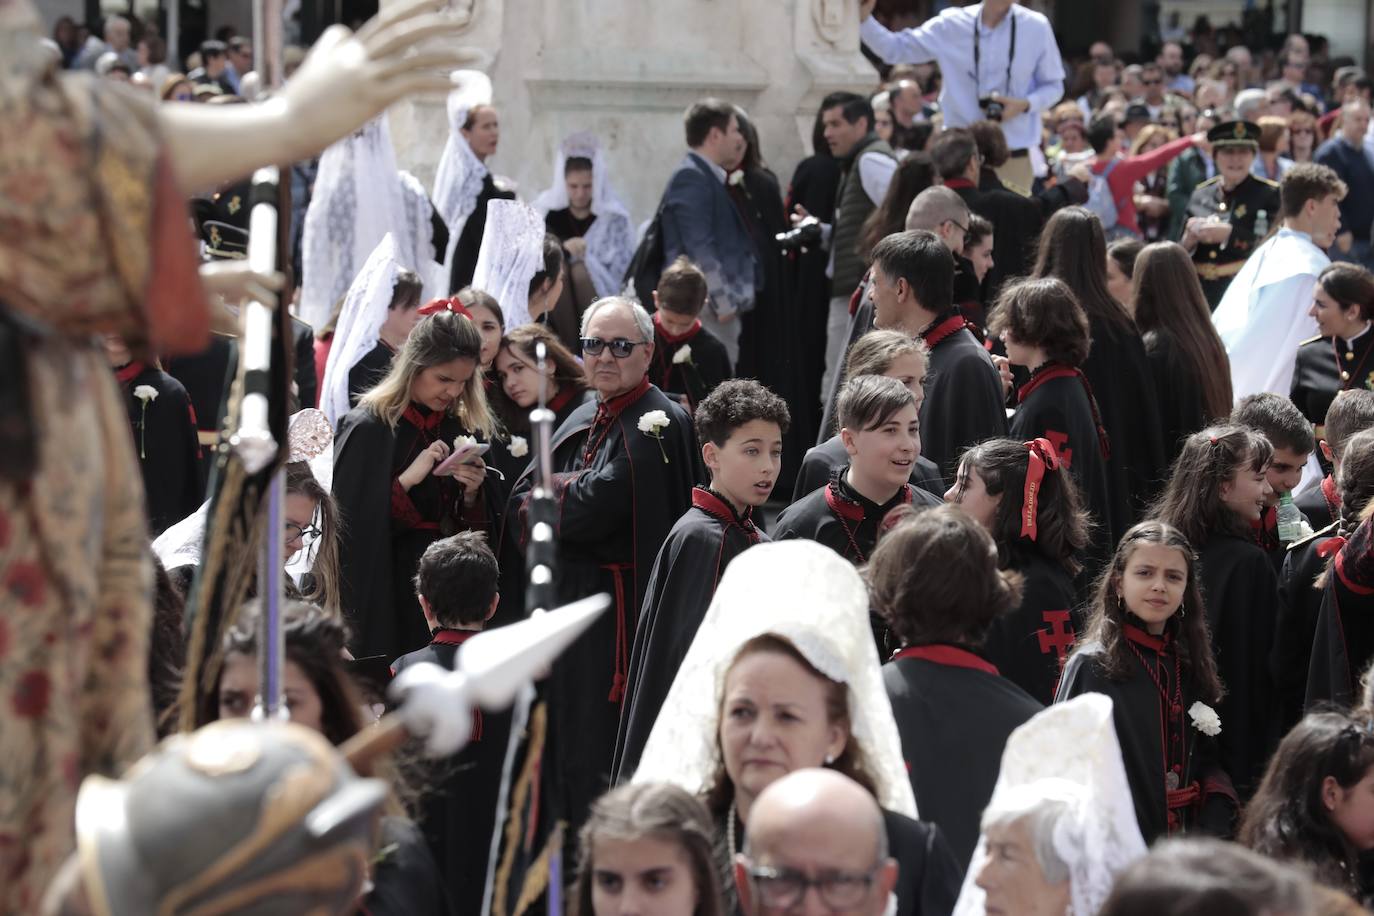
1029,645
1344,643
1140,715
459,809
405,879
469,243
1296,629
616,506
1016,224
1177,392
814,185
1320,504
164,431
1119,373
684,578
385,531
368,371
954,722
1241,591
707,367
1059,409
964,403
821,462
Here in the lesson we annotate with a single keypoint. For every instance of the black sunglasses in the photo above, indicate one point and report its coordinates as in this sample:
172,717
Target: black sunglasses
620,347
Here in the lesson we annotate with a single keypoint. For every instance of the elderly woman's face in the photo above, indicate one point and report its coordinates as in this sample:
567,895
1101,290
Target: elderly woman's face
773,720
1012,878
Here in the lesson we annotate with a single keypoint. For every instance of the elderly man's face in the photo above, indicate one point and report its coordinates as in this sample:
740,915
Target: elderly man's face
1012,878
117,34
840,852
607,373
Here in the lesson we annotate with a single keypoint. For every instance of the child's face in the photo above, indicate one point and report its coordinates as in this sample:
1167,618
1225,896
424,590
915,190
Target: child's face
910,370
489,326
885,455
1247,493
970,493
745,468
1352,809
1153,584
676,323
1285,472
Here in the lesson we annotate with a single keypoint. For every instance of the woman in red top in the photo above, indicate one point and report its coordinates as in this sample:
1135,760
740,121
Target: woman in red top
1121,173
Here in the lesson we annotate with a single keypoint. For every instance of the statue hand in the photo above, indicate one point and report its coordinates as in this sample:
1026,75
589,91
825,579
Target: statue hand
235,282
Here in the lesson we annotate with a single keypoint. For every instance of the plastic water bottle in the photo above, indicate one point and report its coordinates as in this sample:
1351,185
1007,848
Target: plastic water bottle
1290,519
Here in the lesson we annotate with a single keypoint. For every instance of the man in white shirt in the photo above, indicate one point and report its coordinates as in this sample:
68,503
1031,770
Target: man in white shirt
992,55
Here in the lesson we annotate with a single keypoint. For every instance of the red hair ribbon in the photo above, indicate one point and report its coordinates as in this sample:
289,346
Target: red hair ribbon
1330,546
451,304
1042,456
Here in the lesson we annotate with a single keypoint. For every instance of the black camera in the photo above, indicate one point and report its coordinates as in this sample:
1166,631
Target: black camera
805,234
991,107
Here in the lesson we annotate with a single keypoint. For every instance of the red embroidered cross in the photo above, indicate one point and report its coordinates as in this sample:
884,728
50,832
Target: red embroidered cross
1059,637
1059,440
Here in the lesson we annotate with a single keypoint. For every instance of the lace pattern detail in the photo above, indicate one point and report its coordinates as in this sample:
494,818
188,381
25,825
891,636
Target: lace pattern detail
512,253
360,324
812,597
458,181
1070,750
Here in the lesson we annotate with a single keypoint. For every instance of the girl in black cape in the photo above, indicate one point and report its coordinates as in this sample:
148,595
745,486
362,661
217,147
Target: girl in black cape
393,504
1046,332
1146,647
1191,373
1341,357
1215,496
1074,249
1028,502
1312,808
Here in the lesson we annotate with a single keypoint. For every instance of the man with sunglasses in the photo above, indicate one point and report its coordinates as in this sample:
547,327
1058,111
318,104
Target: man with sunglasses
624,467
816,842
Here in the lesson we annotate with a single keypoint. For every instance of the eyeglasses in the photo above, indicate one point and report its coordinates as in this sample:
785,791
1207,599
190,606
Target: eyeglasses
957,225
620,347
296,533
784,888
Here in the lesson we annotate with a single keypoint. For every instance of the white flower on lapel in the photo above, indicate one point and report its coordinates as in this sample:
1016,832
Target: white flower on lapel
462,442
1205,719
519,447
652,424
144,393
683,356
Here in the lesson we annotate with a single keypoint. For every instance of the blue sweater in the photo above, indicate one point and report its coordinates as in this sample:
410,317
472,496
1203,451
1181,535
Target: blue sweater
1351,163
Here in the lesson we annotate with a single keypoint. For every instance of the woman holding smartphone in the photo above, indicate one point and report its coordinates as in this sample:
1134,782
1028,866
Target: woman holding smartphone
395,486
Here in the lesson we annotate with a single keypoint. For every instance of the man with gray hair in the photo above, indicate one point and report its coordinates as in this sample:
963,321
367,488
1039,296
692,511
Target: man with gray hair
815,842
624,467
117,39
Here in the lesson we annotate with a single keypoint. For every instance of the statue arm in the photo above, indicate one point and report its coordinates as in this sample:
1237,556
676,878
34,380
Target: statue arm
347,79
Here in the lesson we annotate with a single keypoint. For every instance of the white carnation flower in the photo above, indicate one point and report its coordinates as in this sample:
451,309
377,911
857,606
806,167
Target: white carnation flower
462,442
519,447
683,356
653,422
1205,719
145,393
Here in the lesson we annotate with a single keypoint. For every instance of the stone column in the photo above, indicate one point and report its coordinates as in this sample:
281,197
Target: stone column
627,70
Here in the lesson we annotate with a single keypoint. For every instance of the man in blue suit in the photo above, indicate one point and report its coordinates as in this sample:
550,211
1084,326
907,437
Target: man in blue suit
700,221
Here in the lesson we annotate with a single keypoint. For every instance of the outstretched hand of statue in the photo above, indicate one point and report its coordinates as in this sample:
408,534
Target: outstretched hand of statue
347,79
235,282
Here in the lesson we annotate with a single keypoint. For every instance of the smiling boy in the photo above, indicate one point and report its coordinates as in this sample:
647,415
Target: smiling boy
1278,420
740,426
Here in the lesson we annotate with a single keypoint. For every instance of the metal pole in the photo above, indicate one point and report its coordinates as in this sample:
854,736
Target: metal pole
540,555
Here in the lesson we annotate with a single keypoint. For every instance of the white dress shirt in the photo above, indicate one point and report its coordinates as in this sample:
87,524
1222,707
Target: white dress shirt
1037,70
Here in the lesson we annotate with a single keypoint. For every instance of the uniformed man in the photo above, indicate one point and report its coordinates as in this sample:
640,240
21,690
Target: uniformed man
1230,213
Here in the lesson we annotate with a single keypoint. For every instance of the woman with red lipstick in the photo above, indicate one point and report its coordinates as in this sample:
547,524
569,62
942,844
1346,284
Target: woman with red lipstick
1046,332
1147,648
393,504
1214,497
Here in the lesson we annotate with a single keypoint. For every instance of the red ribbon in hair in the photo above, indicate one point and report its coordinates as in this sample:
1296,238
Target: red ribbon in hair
1330,546
1042,456
451,304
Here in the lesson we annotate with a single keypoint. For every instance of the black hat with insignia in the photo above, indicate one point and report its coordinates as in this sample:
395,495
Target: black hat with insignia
222,221
1234,134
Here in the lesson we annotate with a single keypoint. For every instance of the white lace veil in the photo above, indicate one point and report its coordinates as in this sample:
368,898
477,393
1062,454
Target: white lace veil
1070,751
611,239
812,597
512,253
357,200
418,244
310,437
360,322
458,182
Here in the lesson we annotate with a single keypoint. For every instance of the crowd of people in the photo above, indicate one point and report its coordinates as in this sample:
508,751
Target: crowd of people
984,512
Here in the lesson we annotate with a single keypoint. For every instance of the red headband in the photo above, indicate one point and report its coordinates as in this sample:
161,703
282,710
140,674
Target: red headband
1042,456
452,304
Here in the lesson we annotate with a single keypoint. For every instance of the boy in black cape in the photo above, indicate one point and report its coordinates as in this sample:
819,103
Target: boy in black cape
688,359
164,428
1350,412
456,586
1274,417
624,467
740,426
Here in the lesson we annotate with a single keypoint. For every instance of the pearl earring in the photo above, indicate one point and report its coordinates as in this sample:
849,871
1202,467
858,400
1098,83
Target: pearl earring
829,759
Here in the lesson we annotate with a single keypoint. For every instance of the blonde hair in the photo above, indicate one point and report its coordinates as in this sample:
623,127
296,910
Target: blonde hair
438,338
1149,133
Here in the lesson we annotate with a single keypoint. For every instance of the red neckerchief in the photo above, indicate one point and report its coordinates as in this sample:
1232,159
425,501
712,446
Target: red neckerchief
1266,529
676,339
952,656
606,413
959,183
126,374
1058,370
425,424
1135,634
942,329
561,399
847,510
1333,499
721,510
447,636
